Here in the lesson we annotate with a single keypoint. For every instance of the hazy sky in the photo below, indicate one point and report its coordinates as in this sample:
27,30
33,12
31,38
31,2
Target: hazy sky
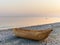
30,10
30,7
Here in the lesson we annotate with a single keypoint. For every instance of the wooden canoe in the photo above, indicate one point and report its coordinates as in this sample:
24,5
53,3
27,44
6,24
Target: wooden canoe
32,34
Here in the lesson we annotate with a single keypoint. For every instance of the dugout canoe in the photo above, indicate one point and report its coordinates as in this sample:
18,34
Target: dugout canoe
32,34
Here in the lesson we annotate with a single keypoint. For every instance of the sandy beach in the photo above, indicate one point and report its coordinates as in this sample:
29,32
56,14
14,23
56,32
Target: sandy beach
7,37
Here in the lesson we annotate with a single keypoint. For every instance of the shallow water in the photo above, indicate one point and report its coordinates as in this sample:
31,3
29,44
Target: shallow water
21,21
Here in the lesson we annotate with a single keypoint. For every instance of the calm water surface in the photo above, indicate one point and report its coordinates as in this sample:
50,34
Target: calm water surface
18,21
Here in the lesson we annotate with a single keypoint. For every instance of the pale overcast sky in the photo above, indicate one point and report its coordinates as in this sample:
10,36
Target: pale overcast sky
29,7
31,12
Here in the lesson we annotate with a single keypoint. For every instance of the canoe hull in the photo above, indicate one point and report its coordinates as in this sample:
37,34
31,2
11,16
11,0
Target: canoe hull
32,34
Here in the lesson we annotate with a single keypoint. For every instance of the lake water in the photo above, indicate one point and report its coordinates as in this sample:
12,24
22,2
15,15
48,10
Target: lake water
20,21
